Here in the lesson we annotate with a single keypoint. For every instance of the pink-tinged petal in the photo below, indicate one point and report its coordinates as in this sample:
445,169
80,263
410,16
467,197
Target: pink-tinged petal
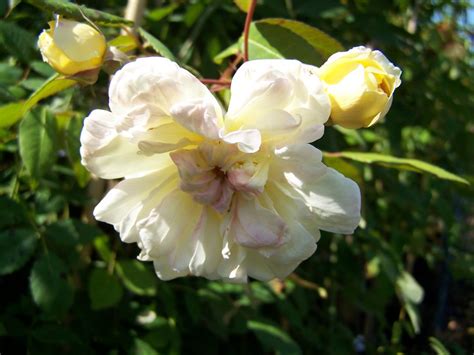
253,226
300,242
111,155
205,183
249,176
300,246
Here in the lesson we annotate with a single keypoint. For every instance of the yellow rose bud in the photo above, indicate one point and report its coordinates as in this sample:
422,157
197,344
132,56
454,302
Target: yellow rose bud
360,84
72,47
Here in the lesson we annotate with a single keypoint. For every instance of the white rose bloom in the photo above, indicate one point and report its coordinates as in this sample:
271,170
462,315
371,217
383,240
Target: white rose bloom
220,195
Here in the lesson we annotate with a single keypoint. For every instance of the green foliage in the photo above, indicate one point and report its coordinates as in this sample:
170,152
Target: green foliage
156,44
17,41
137,277
38,141
438,347
49,286
10,113
280,38
16,248
243,4
69,285
104,289
79,13
400,163
273,338
52,86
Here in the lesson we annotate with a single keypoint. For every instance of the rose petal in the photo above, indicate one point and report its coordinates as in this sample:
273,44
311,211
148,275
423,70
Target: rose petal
110,155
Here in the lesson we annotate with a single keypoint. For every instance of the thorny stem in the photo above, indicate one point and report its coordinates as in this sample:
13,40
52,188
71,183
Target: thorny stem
248,21
232,67
215,81
224,81
225,78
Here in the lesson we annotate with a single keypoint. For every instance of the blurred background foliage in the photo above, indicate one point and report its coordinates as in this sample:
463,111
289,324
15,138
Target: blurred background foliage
403,283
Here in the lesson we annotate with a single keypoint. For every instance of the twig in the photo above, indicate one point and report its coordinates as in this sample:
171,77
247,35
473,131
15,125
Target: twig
248,21
222,82
225,79
232,67
309,285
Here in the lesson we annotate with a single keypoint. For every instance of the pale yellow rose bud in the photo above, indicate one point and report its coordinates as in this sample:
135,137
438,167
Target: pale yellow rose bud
360,84
72,47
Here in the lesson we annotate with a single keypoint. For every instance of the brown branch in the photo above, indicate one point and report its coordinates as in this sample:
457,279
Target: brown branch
215,82
248,21
232,67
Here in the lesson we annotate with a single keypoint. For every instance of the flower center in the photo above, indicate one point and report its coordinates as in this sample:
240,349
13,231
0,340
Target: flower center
214,171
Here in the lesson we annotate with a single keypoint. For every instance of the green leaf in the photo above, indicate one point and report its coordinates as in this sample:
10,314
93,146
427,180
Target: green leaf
156,44
161,12
141,347
105,290
438,346
38,142
17,41
11,5
42,68
77,12
399,163
73,144
410,289
16,248
137,277
10,74
124,42
52,86
280,38
10,114
32,84
229,51
11,213
48,284
410,293
273,338
67,237
414,316
101,245
243,4
54,334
